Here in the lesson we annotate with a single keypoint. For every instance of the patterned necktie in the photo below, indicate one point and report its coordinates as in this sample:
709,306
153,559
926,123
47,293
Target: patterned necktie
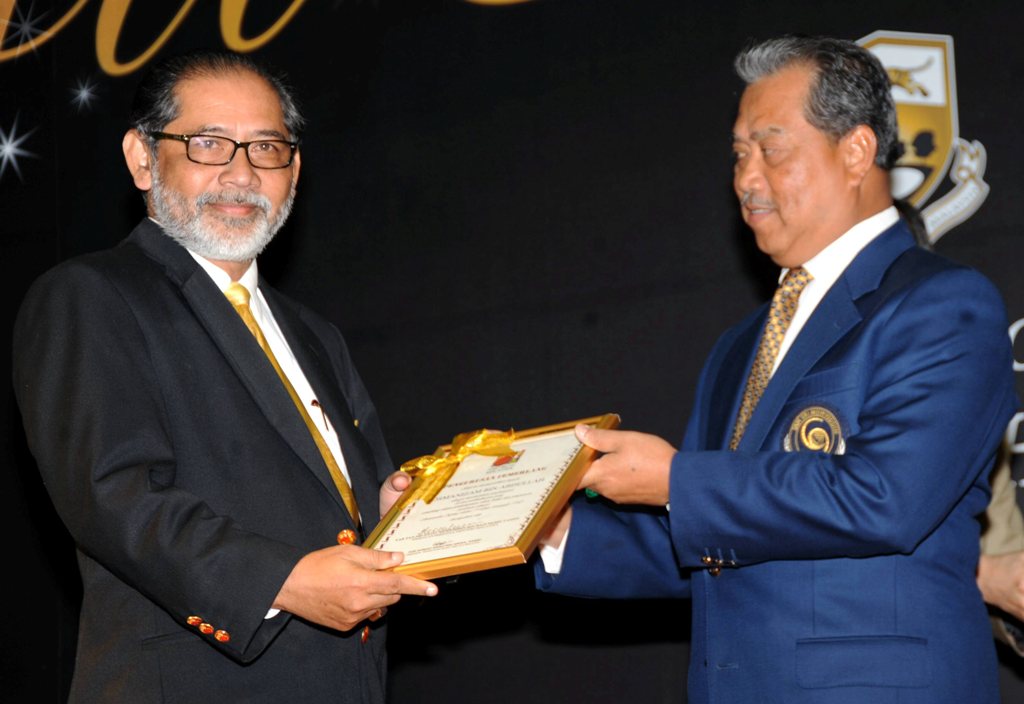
780,315
239,297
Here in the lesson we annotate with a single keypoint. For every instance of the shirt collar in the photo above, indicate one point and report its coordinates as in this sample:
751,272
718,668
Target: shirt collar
828,264
250,279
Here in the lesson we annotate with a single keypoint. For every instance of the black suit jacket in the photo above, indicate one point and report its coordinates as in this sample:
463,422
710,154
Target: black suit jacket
190,484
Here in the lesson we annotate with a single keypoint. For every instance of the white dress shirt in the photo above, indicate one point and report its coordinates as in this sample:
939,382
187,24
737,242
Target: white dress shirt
283,353
826,267
285,358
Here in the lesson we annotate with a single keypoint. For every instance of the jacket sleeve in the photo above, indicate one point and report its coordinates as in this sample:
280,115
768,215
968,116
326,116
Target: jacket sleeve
930,403
626,552
616,553
98,428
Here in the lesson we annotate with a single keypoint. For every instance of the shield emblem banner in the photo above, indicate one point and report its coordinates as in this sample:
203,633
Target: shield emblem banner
923,77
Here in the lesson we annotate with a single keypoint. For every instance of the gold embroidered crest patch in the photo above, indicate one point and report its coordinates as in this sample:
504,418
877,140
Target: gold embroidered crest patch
815,429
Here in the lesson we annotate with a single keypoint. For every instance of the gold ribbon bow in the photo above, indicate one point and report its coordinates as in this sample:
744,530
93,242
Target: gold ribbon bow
434,471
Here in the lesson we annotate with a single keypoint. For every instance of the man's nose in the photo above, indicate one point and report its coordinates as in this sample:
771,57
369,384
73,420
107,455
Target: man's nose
239,171
748,176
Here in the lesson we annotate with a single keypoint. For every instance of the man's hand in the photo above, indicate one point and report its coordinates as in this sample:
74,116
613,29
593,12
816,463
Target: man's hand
634,468
1001,581
343,585
391,489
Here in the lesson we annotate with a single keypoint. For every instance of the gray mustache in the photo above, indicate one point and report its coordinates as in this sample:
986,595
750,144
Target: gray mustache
749,199
235,198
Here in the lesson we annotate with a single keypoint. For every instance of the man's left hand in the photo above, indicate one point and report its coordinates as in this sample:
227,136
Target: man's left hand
391,489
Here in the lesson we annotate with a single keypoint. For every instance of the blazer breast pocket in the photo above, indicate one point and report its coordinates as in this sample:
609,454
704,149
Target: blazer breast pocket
821,411
826,382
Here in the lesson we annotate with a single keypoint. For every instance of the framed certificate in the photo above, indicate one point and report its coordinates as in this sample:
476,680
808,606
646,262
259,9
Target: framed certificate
466,511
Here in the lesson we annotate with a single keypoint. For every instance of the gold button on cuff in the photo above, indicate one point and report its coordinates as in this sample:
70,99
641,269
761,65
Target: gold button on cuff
222,636
205,628
365,634
194,620
346,537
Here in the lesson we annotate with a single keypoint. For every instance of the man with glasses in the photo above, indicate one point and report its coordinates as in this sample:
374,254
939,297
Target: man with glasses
205,439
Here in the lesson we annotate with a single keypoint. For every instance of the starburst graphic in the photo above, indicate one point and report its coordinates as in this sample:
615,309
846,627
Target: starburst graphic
26,26
83,94
11,149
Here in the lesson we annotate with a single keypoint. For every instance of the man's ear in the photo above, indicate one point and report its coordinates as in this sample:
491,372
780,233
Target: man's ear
138,159
296,165
859,147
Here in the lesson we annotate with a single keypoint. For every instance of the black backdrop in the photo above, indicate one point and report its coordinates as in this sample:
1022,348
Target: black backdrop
517,215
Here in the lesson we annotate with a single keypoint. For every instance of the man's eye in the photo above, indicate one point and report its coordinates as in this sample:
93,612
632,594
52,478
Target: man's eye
205,143
266,147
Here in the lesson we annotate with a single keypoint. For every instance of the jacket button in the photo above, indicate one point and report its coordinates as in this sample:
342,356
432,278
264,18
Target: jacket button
222,636
365,634
193,620
707,559
205,628
346,537
715,571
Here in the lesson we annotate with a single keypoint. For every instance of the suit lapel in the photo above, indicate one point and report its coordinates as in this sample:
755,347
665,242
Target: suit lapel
238,346
832,319
723,404
314,360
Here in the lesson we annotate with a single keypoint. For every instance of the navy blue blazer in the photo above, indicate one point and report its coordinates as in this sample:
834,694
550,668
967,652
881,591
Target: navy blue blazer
831,558
190,485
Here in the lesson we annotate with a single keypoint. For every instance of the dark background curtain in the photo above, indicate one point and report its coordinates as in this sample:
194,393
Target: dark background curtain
517,215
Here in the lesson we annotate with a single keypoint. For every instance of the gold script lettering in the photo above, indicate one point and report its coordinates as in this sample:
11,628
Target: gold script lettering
108,30
231,13
7,9
110,23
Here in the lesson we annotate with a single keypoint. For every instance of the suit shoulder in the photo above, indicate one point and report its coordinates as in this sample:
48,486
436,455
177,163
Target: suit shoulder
921,269
922,287
96,287
126,261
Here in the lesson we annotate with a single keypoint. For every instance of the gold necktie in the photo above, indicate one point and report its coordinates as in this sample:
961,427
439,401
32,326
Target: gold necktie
239,297
780,315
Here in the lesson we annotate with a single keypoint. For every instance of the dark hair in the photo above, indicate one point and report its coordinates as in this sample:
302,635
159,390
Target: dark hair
915,222
156,104
850,86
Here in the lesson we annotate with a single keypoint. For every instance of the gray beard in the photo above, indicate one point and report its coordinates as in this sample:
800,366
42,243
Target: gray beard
245,238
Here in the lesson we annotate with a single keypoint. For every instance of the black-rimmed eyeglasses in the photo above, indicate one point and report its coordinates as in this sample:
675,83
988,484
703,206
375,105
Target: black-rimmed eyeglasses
217,151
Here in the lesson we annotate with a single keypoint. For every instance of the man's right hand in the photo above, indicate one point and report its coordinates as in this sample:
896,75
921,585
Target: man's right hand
342,586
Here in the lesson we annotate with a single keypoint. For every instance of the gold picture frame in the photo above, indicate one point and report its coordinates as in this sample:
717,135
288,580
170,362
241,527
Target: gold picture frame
482,511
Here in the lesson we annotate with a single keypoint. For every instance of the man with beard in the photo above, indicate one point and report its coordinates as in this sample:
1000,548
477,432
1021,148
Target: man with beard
205,439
